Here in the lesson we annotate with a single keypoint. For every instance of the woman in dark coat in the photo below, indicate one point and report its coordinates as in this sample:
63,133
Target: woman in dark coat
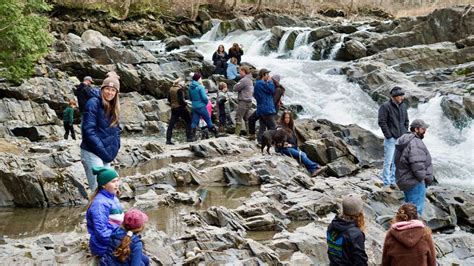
237,52
219,58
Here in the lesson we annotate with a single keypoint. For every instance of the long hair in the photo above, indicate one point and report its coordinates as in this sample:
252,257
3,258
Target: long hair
358,219
123,250
112,109
290,126
93,197
218,48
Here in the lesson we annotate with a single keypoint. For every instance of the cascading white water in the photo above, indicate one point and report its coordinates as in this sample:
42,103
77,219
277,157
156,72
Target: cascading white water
211,35
282,46
302,50
336,48
332,97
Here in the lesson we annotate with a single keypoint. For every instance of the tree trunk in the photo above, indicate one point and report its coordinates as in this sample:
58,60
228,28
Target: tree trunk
234,5
259,6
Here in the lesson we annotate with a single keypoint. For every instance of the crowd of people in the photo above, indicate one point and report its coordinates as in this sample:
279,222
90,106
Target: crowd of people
114,233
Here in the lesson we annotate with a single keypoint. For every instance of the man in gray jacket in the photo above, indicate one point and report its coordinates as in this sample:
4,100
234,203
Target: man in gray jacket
414,169
393,120
244,88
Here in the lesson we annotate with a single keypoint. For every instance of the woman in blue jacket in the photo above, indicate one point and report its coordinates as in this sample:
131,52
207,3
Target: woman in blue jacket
125,246
104,213
100,128
199,101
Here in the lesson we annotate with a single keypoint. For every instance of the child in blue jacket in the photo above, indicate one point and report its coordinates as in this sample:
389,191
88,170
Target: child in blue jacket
104,213
125,246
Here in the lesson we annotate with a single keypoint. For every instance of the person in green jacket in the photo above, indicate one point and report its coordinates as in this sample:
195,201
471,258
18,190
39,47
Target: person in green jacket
68,118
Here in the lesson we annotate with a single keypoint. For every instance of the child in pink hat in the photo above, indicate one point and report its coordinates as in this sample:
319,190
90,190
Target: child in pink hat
126,246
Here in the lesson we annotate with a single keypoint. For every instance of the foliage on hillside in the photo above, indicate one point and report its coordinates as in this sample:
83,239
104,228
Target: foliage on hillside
24,37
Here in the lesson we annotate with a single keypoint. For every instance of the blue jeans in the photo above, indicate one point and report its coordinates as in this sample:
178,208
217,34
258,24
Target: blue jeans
199,113
416,195
300,157
90,160
388,174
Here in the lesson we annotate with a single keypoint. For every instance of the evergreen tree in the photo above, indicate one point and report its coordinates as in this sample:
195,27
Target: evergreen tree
24,37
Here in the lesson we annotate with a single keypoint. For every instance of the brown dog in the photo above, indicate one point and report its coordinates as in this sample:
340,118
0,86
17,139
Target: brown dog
276,137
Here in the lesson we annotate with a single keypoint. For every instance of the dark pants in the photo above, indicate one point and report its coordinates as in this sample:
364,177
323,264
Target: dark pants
252,121
176,113
267,122
68,127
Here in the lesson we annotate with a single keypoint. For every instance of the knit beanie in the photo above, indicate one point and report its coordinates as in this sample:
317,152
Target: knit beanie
104,174
134,219
196,76
352,204
112,80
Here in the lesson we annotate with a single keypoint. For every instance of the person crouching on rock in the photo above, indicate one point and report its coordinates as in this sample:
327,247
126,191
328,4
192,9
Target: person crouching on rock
178,110
125,246
345,235
199,100
68,120
100,128
104,212
291,147
409,241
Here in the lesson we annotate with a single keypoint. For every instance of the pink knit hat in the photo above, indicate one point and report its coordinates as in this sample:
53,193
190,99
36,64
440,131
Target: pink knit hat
134,219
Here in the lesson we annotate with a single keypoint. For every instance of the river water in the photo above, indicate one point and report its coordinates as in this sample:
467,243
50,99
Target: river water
332,97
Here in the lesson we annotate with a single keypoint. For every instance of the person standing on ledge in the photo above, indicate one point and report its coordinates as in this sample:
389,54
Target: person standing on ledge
393,120
68,120
414,168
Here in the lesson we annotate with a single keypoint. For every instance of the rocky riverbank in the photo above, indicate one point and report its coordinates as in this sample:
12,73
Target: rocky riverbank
426,55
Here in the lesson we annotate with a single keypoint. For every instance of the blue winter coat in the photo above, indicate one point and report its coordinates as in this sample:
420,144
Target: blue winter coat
97,135
136,250
197,94
263,93
98,224
232,71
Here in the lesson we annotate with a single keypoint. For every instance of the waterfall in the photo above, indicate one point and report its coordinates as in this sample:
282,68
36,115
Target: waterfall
154,46
336,47
211,35
302,50
282,45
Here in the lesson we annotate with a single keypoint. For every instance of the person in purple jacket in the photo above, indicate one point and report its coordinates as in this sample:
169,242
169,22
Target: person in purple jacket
100,128
104,213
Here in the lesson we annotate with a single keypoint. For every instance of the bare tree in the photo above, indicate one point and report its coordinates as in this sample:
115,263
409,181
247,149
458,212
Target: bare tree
234,5
259,6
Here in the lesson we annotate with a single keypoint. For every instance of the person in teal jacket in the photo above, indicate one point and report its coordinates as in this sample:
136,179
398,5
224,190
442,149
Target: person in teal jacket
104,213
199,101
68,120
125,246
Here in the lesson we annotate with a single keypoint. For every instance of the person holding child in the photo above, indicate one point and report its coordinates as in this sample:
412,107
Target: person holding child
125,246
104,212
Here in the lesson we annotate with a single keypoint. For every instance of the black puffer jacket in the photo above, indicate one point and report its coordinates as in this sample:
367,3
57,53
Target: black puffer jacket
346,243
413,162
393,119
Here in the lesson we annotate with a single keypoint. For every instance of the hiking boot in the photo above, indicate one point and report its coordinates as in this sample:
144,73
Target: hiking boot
316,172
394,186
252,137
214,130
189,139
238,128
387,189
168,142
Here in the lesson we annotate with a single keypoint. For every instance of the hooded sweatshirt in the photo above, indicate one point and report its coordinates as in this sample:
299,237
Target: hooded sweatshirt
412,161
346,243
408,243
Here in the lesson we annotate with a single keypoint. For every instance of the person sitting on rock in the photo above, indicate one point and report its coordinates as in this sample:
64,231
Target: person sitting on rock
178,110
219,58
104,212
345,235
408,241
68,120
232,70
237,52
223,108
125,246
291,147
199,100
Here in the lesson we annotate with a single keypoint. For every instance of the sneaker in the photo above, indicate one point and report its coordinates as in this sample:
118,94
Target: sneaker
169,142
316,172
387,189
394,186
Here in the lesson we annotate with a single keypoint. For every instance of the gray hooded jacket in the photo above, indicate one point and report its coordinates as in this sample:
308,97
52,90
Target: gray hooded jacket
413,162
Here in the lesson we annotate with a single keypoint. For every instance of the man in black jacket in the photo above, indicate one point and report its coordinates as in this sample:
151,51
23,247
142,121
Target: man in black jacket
83,93
393,120
178,110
